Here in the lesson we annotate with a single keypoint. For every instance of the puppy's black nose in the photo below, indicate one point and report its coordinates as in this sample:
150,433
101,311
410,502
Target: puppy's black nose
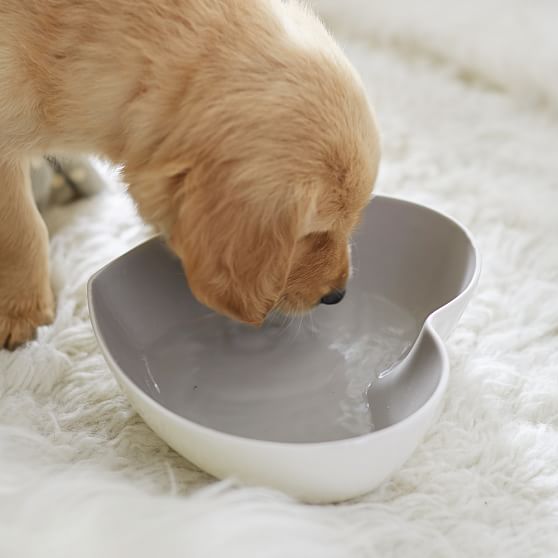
334,297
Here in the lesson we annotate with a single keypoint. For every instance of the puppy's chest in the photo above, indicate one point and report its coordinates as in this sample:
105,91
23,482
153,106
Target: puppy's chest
17,100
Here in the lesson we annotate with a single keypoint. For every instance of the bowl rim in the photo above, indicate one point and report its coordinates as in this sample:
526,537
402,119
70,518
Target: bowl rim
389,431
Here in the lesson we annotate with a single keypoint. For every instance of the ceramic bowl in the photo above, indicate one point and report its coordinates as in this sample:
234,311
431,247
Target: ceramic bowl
324,408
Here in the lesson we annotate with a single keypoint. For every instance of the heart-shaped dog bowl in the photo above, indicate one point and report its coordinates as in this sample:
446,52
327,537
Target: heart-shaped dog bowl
325,408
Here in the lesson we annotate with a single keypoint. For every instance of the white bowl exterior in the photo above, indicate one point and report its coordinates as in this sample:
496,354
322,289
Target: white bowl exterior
315,473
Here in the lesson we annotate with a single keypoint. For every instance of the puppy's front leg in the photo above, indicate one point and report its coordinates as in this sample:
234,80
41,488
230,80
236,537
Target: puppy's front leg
26,300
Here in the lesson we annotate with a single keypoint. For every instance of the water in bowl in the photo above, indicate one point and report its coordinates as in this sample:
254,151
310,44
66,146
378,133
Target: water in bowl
306,380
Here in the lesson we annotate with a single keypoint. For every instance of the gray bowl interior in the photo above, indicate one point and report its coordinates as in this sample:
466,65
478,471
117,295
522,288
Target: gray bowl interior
306,380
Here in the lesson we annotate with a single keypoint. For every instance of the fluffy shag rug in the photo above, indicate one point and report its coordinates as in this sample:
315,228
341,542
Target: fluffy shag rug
467,100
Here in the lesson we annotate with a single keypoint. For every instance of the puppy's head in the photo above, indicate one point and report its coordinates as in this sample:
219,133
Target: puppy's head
271,161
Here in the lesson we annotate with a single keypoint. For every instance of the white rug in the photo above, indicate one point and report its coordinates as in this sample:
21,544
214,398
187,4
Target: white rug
467,99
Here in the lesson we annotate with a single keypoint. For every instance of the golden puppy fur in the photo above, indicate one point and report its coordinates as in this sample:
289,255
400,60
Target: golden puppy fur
244,134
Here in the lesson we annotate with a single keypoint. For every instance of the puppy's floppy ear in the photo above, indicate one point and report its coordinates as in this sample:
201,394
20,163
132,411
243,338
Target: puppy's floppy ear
236,246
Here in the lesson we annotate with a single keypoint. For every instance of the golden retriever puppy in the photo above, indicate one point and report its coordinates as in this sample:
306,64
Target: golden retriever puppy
244,134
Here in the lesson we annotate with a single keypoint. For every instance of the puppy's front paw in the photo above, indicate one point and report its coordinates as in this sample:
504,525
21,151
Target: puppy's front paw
19,323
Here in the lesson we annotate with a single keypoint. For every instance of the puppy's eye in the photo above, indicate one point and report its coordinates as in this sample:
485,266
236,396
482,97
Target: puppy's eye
176,182
179,177
318,240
